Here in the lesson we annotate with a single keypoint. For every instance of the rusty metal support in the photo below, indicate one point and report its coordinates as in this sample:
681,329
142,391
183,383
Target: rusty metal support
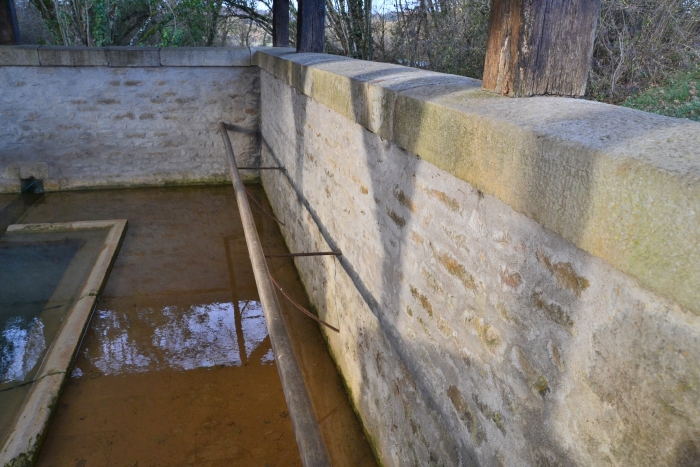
301,308
262,208
295,255
308,434
261,168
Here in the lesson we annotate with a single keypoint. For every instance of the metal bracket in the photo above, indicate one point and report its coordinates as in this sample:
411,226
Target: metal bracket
294,255
261,168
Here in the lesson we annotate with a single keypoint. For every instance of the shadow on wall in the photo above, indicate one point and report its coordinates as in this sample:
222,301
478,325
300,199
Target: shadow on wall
496,341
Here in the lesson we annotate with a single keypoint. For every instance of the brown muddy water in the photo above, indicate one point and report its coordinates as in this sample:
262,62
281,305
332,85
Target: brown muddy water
176,367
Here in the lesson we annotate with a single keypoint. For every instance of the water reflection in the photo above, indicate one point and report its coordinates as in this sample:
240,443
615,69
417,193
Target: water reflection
184,338
31,268
21,344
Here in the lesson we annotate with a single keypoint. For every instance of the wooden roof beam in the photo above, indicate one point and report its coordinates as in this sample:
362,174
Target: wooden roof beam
540,47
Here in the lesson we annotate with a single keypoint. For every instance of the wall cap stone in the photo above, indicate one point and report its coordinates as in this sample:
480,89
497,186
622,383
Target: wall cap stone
205,56
19,55
72,56
621,184
53,56
133,56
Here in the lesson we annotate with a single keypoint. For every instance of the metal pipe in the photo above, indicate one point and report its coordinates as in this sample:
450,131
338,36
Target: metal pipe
308,434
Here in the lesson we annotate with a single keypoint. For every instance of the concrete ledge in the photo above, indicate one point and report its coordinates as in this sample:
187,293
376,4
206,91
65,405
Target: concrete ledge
621,184
118,57
19,55
204,56
72,56
133,56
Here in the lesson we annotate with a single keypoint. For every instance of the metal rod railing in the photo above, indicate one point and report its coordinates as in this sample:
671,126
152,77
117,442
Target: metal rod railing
260,168
301,308
257,203
308,433
296,255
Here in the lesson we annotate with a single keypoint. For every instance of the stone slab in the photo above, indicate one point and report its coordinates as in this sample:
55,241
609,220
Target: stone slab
19,55
205,56
73,56
133,56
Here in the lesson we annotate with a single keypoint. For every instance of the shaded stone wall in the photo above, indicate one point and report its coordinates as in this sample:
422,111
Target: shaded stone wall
118,117
478,326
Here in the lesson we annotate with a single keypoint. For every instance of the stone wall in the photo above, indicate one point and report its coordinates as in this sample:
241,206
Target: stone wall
519,281
119,117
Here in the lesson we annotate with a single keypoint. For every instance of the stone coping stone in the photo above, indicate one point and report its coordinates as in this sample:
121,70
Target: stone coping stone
621,184
204,56
54,56
19,55
73,56
133,56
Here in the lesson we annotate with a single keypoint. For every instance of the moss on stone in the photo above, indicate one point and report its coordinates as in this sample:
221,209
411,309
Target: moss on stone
555,312
445,199
466,414
565,274
455,268
398,220
423,300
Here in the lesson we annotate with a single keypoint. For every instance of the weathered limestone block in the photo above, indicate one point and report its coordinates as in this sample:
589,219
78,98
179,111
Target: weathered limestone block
133,56
19,55
73,56
470,333
205,56
25,170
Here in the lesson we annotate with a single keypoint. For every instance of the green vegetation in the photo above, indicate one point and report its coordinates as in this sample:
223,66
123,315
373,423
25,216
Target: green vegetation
645,54
164,23
643,57
677,97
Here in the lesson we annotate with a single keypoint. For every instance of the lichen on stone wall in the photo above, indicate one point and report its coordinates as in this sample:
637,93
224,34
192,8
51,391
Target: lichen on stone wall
514,347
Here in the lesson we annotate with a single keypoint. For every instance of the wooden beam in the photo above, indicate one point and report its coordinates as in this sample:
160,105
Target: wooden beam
539,47
9,29
280,23
311,19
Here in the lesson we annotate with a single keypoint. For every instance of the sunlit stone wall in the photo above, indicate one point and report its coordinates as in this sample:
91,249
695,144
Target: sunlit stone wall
519,279
118,117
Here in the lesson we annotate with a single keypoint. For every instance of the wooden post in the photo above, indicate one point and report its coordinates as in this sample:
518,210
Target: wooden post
311,19
280,23
9,30
538,47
